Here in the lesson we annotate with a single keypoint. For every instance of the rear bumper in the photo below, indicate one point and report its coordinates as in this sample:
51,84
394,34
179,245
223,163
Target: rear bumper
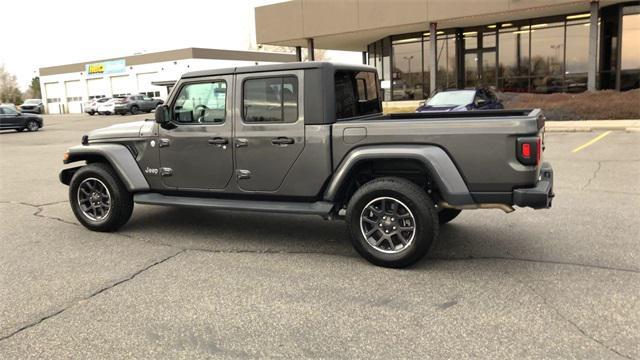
540,196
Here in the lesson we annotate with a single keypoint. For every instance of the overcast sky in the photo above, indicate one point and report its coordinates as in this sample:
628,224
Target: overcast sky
35,34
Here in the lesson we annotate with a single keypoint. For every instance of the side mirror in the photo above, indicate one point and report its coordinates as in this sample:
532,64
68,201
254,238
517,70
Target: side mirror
481,102
162,114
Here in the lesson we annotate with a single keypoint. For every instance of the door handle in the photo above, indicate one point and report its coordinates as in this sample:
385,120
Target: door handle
282,141
218,141
241,142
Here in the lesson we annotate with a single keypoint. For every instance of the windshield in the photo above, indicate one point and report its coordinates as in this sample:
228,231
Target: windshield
452,98
32,101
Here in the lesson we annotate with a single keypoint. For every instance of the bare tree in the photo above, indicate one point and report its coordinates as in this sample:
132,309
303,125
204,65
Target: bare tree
9,91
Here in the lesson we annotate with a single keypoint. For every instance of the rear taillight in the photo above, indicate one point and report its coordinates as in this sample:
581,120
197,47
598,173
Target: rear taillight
529,150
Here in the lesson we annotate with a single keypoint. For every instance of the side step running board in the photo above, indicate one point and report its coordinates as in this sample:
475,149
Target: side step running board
321,208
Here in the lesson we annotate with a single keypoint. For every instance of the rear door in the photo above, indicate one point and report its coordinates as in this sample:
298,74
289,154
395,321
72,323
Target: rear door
269,133
195,149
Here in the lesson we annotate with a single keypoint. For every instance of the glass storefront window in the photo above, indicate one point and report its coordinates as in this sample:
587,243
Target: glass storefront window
446,60
407,81
547,54
489,39
470,40
425,65
543,55
470,70
488,68
513,61
386,66
630,60
631,39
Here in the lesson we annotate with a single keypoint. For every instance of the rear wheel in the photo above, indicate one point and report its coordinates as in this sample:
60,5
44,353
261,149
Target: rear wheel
99,199
446,215
91,113
392,222
32,125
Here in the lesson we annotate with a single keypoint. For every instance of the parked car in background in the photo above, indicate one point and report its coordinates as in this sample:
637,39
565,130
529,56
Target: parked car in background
34,106
10,118
91,107
107,107
462,100
134,104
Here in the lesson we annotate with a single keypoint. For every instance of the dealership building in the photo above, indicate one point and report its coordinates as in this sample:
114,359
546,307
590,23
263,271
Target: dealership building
66,88
419,46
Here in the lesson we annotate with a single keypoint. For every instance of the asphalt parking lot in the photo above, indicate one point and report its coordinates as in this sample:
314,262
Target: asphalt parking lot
190,283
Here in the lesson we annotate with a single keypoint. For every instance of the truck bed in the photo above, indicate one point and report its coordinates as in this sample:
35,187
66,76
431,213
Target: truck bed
482,144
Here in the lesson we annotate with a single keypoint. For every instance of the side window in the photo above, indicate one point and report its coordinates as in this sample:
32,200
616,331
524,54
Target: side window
9,111
273,99
201,103
356,94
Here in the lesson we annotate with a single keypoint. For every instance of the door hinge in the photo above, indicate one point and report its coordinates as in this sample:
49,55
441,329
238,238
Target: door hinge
163,142
243,174
165,171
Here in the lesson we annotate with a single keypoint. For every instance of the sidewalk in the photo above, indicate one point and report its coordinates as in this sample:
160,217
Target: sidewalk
592,125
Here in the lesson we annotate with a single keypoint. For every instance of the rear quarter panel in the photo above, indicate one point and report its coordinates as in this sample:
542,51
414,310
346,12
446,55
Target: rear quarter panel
483,149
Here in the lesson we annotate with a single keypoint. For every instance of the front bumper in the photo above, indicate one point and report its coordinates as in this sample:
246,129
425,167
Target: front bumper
540,196
31,110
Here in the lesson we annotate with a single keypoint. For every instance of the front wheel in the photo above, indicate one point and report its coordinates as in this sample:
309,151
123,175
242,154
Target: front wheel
392,222
134,110
99,199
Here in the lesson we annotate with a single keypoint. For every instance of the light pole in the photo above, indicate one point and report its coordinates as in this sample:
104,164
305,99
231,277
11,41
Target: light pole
409,58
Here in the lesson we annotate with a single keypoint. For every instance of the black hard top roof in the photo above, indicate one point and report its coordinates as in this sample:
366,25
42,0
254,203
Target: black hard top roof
277,67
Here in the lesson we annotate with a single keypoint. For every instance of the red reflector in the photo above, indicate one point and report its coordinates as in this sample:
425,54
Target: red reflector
526,150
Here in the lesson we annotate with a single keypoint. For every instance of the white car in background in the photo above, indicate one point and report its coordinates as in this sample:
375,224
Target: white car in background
107,107
91,107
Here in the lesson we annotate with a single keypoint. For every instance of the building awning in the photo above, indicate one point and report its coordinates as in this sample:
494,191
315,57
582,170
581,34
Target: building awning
352,25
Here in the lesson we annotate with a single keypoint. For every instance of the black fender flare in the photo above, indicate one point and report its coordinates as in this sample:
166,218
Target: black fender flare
445,174
118,156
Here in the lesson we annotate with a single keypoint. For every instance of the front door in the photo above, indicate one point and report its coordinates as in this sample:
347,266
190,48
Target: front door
269,134
195,147
9,118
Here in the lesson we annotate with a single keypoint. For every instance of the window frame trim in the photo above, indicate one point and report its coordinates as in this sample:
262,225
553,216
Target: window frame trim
199,81
281,76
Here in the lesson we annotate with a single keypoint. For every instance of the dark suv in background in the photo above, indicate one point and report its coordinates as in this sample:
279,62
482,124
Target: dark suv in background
134,104
12,119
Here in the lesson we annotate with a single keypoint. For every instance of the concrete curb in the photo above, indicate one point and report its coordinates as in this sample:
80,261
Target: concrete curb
593,125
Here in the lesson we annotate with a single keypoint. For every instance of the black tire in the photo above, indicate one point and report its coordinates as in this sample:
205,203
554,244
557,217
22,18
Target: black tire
421,209
134,110
446,215
91,113
121,200
32,125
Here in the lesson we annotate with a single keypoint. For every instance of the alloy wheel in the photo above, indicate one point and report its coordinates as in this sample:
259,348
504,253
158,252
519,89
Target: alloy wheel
388,225
94,199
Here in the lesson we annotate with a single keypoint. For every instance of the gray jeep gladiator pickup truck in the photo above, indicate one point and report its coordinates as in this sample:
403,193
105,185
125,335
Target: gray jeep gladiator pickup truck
310,138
